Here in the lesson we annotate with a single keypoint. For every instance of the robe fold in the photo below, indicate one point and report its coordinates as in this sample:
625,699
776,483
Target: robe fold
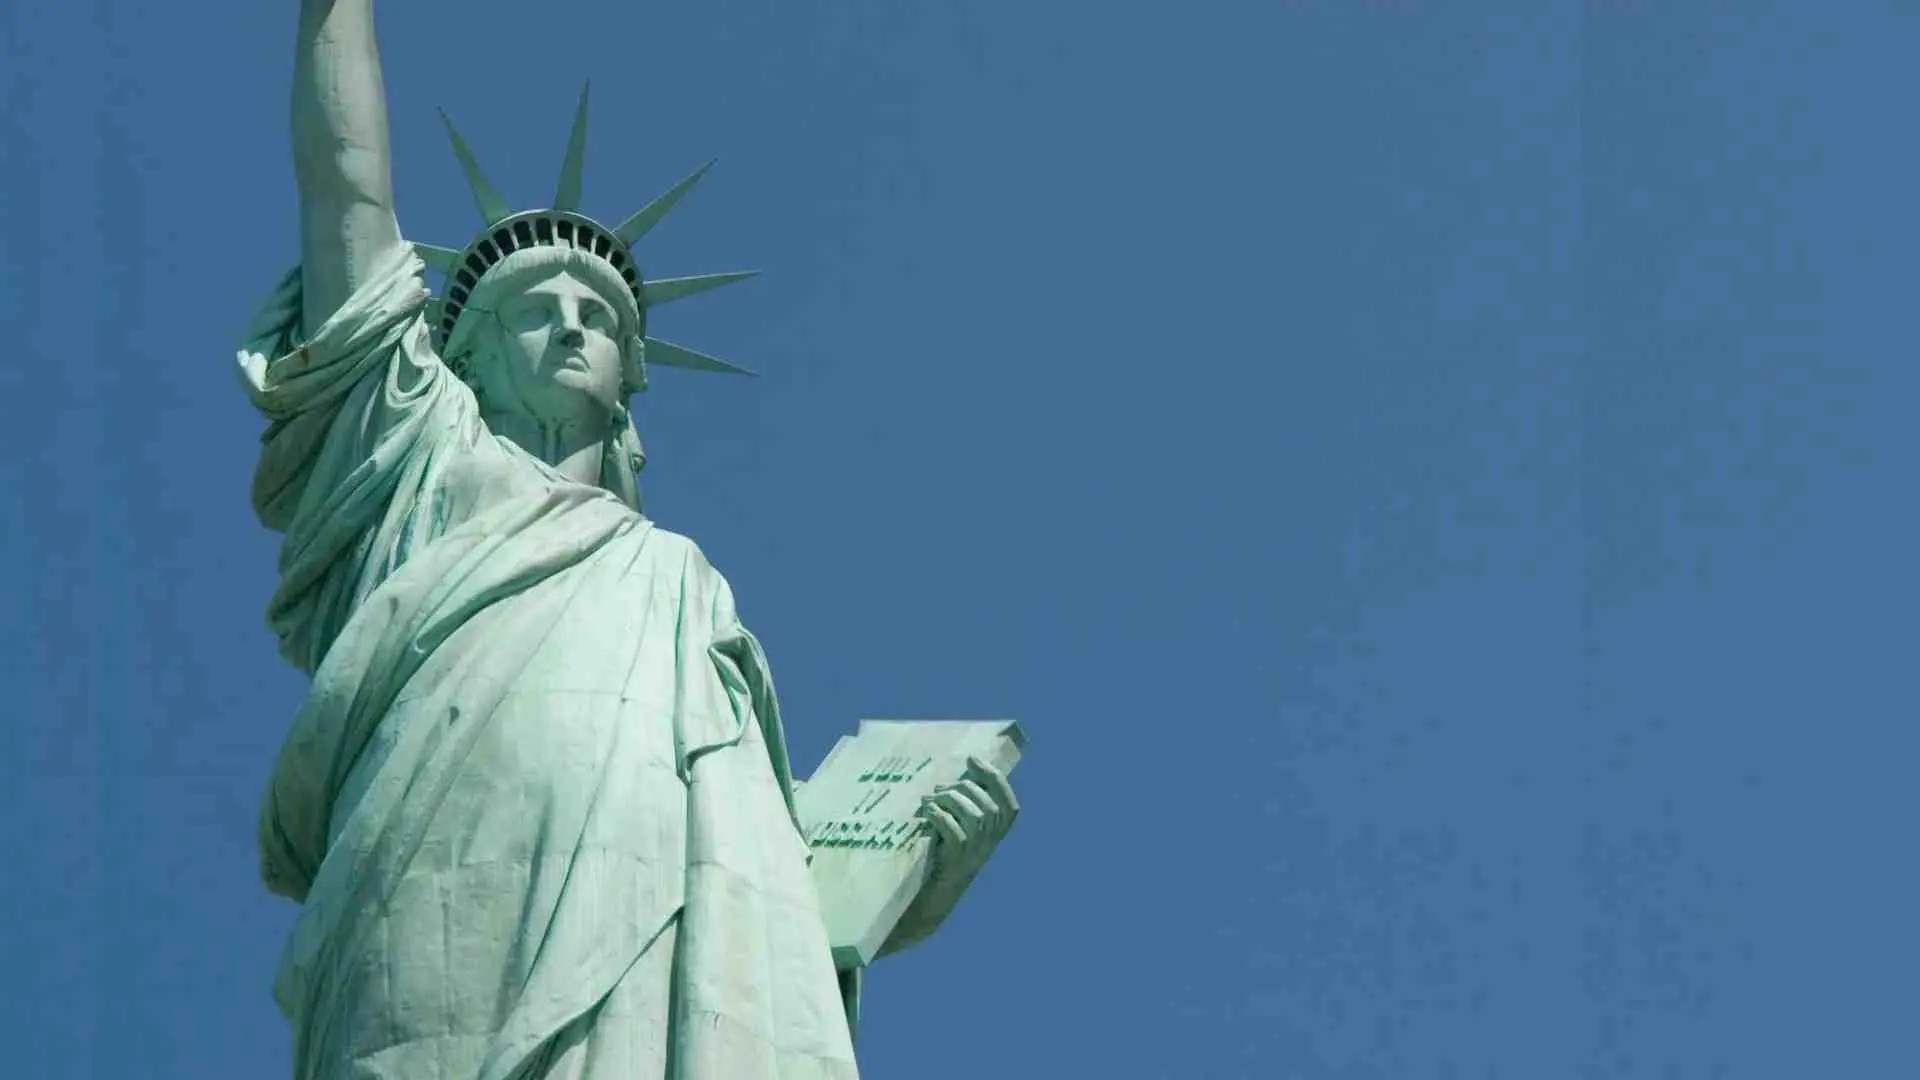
536,807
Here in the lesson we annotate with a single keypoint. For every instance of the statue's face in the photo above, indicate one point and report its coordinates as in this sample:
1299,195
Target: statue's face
557,355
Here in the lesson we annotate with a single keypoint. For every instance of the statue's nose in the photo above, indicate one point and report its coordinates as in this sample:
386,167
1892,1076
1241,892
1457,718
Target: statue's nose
573,337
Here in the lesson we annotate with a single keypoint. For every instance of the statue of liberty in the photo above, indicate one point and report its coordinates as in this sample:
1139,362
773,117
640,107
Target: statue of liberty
537,807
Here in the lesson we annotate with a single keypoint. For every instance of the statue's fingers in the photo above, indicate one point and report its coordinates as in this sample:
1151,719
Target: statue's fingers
972,790
964,810
996,784
942,824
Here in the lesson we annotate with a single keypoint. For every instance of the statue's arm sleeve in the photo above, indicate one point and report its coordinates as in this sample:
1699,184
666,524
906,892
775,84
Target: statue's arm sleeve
735,647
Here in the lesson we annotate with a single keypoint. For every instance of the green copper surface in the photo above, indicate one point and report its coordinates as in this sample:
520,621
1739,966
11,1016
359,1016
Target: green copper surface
645,218
492,207
566,196
537,808
667,290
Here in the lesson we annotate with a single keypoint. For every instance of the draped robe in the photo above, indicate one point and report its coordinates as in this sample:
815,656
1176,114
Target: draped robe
536,807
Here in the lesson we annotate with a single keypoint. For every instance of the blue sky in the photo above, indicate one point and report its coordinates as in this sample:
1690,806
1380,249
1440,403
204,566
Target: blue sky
1433,478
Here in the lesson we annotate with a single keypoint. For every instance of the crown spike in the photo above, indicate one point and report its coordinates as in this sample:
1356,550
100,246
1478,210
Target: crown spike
667,354
440,258
492,207
667,290
635,227
567,195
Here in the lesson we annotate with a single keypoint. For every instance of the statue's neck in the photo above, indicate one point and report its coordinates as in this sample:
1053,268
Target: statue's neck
575,448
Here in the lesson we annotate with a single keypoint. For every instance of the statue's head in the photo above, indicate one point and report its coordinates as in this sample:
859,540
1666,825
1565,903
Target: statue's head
548,335
545,312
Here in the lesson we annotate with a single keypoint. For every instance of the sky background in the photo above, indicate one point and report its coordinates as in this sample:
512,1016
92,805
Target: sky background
1433,477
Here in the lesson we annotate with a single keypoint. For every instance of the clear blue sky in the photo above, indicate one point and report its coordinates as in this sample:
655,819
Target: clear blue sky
1434,477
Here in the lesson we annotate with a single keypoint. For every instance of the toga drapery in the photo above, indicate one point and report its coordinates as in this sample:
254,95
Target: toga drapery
536,807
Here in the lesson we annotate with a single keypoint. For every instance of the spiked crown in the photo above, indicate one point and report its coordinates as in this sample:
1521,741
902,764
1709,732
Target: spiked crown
563,228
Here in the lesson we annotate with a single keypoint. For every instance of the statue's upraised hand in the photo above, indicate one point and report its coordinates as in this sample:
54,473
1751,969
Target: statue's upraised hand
967,820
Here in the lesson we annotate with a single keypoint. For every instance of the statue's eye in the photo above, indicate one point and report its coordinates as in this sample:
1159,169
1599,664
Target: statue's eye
522,318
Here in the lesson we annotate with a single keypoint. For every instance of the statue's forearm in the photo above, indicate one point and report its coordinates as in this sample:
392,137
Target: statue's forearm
340,153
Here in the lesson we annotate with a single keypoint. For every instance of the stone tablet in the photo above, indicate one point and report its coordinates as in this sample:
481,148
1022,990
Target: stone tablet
860,814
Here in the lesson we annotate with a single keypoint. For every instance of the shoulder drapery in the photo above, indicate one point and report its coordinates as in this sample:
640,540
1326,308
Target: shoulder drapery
363,421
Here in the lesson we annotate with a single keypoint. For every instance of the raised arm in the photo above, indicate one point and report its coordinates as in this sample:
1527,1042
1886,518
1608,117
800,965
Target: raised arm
340,155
